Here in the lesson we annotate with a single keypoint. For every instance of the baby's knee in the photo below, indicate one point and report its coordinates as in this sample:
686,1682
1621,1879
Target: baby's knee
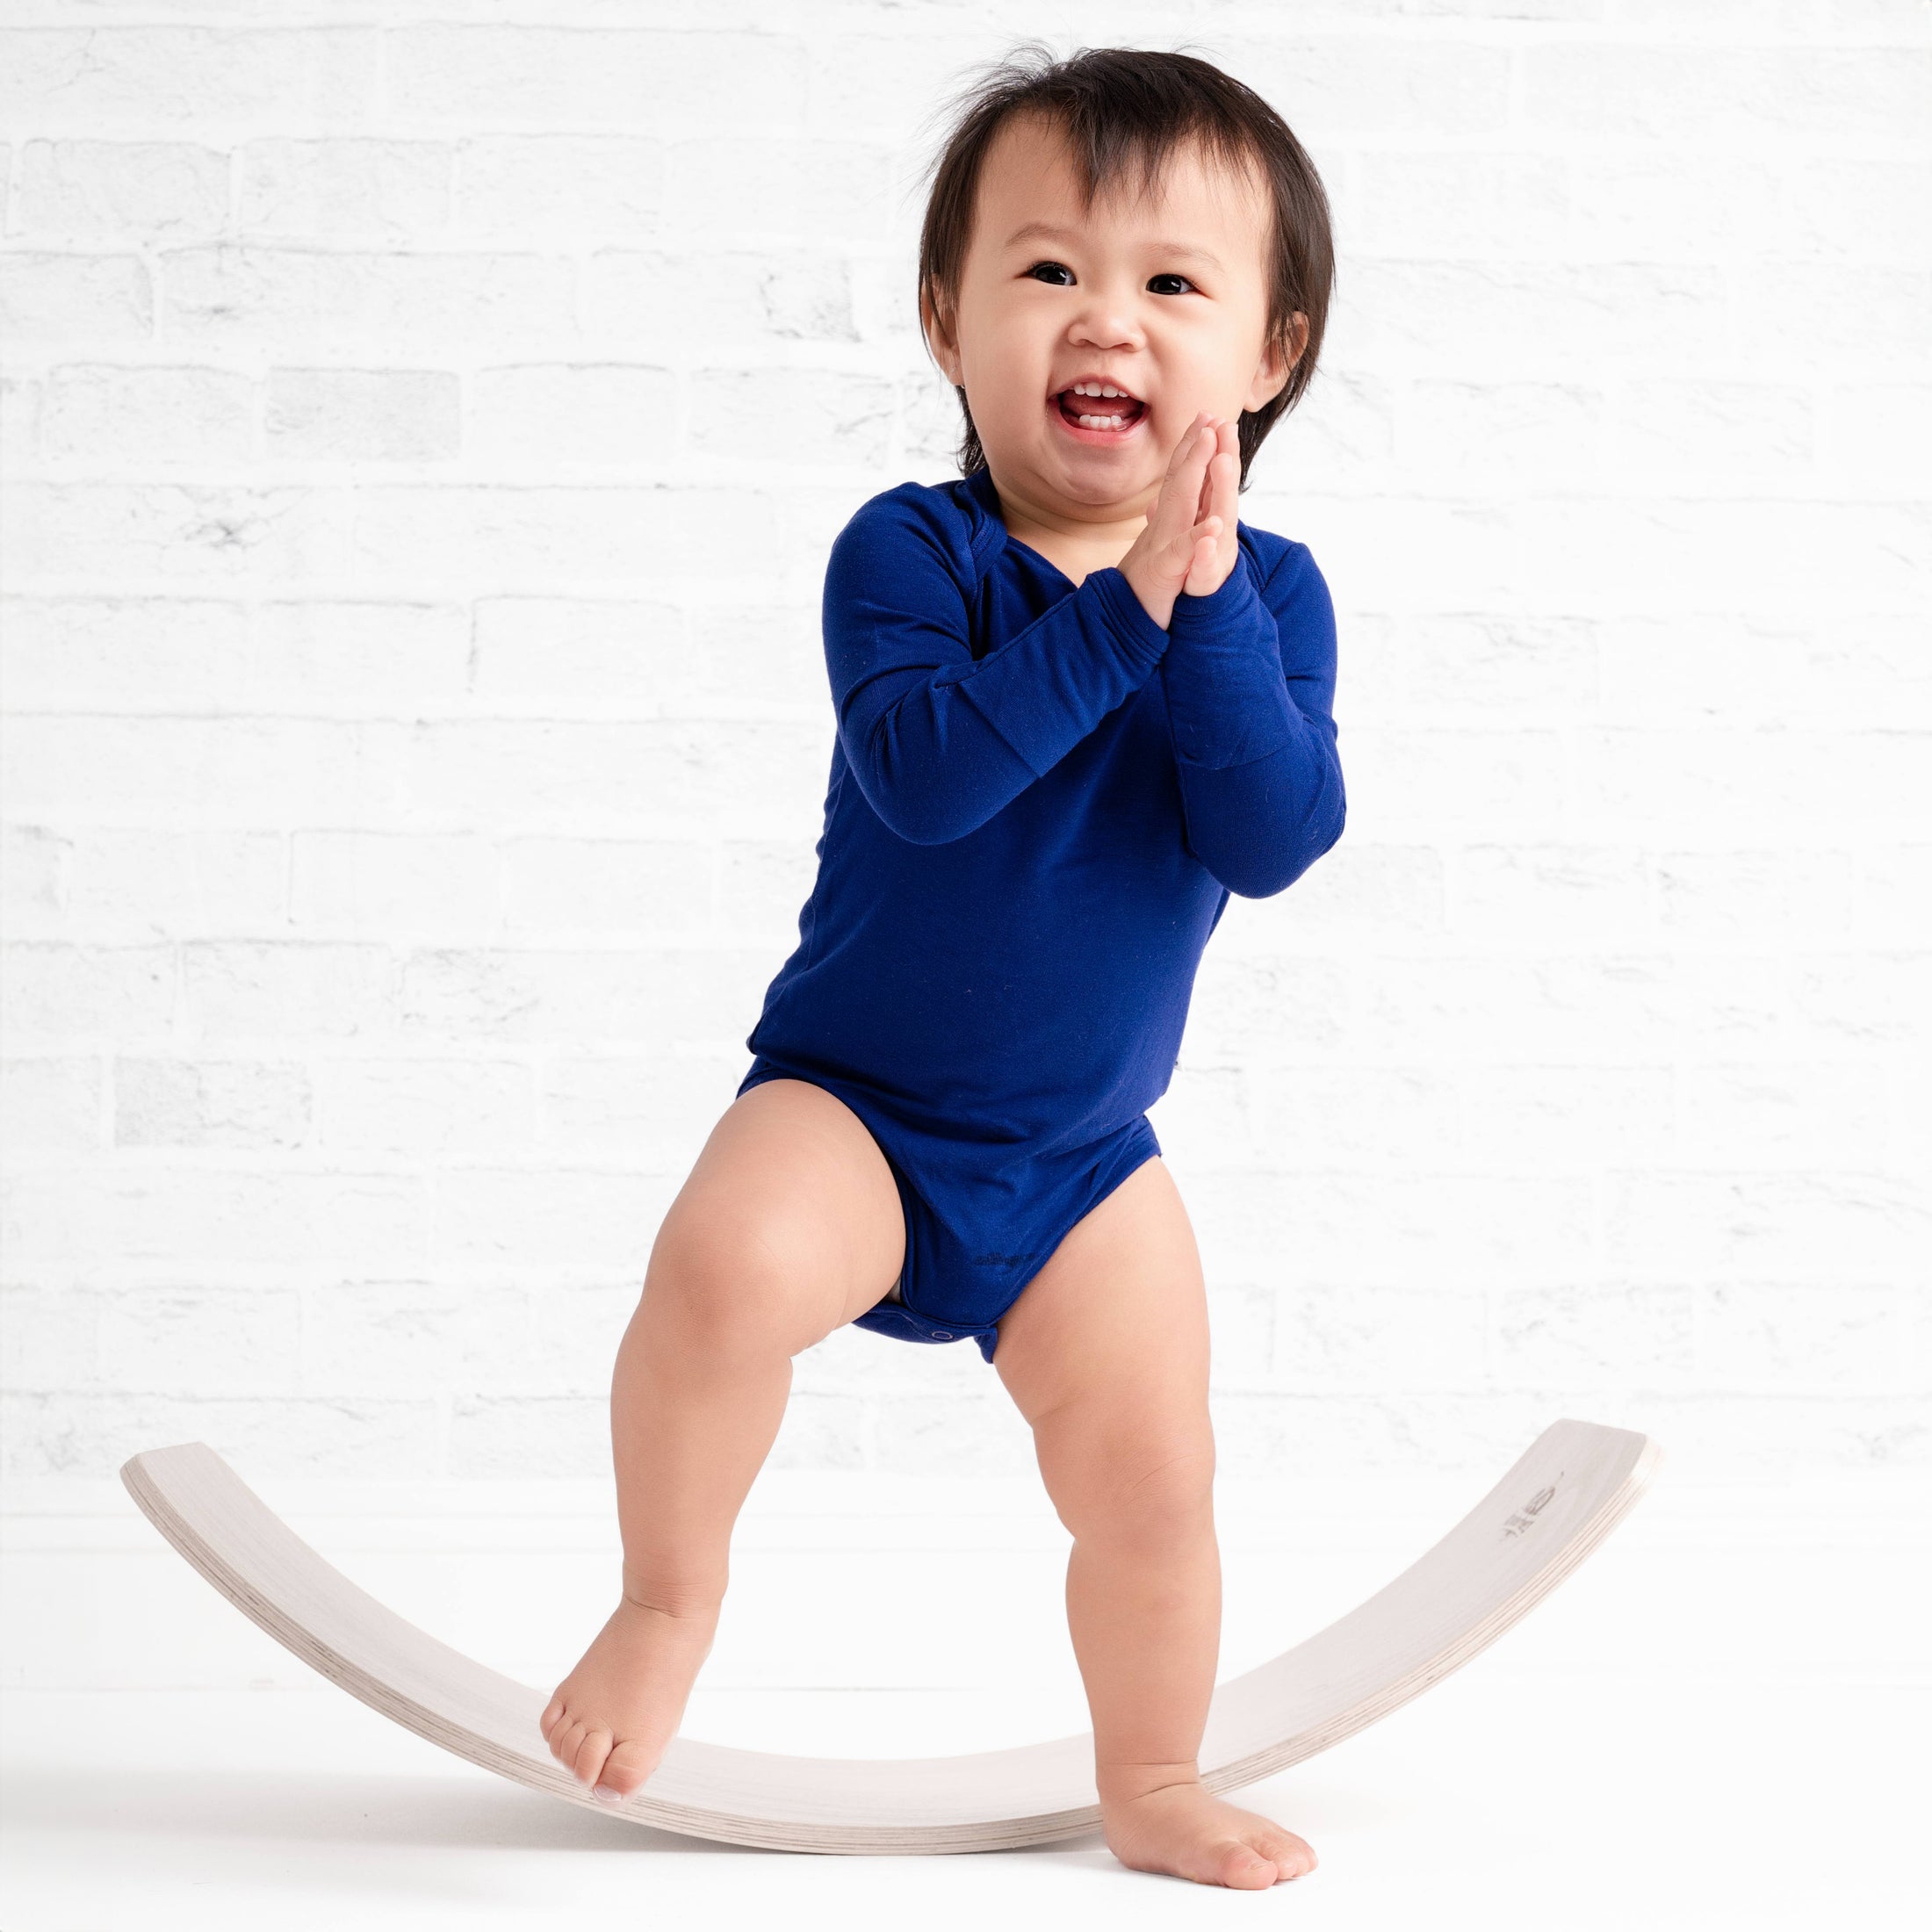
724,1285
1129,1479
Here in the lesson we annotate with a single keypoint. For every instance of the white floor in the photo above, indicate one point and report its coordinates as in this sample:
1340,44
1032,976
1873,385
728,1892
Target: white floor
1720,1720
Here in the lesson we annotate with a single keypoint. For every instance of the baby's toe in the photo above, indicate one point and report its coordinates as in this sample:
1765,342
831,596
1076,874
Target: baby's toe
589,1758
1291,1856
626,1768
1244,1868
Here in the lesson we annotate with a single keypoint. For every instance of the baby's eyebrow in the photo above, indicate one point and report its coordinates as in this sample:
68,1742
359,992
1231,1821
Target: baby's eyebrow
1046,231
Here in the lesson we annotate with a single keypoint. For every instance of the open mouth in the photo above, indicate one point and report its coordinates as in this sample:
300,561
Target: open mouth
1098,418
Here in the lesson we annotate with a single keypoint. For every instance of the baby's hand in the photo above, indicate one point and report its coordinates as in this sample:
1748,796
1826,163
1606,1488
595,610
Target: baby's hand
1178,546
1218,498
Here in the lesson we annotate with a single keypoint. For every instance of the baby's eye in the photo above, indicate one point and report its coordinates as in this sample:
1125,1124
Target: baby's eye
1060,268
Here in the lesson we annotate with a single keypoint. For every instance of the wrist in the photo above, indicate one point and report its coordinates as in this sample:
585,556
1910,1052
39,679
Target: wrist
1230,608
1135,628
1159,603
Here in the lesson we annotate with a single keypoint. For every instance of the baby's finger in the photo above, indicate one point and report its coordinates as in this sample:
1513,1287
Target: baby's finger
1181,492
1178,455
1215,500
1225,436
1172,516
1224,476
1200,563
1188,543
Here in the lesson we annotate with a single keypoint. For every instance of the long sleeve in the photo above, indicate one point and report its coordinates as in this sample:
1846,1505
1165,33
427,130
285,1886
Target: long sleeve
1251,688
938,741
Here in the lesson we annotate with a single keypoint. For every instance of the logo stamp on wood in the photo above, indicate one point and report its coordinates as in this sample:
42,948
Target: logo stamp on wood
1523,1519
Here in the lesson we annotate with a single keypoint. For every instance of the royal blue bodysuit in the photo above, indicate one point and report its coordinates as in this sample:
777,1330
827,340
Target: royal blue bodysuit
1039,803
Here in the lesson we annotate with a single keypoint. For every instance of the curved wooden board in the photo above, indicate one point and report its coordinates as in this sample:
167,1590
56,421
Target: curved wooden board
1564,1495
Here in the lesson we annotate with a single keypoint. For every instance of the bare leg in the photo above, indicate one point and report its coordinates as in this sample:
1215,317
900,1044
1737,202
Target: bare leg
788,1226
1106,1354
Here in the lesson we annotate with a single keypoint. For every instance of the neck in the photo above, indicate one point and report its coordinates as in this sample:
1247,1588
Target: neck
1096,543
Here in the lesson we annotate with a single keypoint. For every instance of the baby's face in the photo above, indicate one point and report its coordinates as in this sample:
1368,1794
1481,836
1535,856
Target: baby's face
1167,301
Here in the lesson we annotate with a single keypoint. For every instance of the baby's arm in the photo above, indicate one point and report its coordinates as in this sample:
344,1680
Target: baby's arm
1250,688
938,742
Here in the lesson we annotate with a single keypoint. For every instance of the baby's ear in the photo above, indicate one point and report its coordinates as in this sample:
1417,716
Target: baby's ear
938,324
1277,364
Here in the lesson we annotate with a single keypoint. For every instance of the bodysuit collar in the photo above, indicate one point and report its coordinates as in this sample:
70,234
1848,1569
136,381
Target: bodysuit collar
989,533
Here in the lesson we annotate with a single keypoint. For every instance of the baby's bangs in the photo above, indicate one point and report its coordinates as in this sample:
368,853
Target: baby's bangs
1117,153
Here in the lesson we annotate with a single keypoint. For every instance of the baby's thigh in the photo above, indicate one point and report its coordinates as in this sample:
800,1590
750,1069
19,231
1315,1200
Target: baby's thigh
1106,1352
789,1225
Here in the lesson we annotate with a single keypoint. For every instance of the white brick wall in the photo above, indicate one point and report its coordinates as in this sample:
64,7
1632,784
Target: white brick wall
422,436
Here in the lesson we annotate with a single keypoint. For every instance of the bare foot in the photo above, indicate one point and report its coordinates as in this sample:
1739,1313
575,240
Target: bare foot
1185,1830
613,1715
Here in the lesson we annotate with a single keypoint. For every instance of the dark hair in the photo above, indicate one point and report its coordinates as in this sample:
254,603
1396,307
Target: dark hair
1126,107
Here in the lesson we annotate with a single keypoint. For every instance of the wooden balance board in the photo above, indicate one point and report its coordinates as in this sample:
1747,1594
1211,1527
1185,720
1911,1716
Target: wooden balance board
1565,1493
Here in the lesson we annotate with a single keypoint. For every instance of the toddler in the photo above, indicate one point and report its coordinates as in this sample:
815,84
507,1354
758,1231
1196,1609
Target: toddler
1079,704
